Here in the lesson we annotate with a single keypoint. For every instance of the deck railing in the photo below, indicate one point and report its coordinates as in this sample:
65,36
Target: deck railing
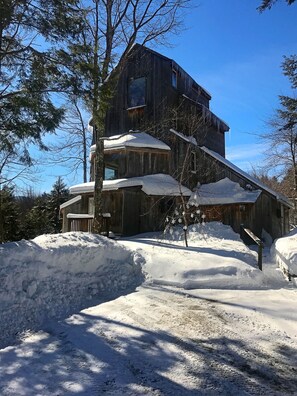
246,231
84,222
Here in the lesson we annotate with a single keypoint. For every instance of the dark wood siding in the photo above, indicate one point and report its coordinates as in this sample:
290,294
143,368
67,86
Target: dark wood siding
166,106
132,162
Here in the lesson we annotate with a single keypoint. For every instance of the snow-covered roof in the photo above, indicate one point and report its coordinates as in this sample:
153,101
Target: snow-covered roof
70,202
188,139
252,179
222,192
138,139
158,184
80,216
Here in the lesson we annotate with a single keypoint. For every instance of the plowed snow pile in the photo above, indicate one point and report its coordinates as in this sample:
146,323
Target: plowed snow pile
285,252
53,275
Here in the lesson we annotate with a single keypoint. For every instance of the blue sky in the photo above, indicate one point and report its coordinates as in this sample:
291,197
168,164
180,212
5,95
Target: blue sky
235,53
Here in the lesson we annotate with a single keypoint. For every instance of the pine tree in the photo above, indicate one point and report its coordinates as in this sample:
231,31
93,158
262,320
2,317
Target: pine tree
57,196
9,216
29,75
36,221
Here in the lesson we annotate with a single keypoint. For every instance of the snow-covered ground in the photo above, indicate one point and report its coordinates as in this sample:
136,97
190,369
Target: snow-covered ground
206,321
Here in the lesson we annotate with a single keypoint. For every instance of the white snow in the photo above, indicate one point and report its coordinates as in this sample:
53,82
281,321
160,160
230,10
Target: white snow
188,139
158,184
138,139
222,192
70,202
205,322
285,252
252,179
54,275
79,216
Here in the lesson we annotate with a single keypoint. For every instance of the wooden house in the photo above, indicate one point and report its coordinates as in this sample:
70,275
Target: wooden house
163,139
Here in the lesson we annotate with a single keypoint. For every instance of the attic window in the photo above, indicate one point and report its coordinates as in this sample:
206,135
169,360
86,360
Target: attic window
174,78
137,92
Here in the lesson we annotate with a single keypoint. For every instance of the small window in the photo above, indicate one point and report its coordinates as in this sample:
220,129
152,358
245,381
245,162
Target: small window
137,92
91,205
193,162
174,78
110,173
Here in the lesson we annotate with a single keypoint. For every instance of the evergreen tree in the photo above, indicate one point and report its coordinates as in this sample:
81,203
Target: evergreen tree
28,74
36,221
57,196
9,216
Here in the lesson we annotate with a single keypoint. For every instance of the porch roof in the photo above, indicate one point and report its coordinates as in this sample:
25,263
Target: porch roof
222,192
284,200
70,202
159,184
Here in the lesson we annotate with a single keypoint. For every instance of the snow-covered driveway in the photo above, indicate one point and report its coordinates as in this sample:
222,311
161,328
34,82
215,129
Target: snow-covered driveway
165,340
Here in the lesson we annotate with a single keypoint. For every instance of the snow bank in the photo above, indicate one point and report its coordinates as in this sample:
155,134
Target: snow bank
284,251
216,258
54,275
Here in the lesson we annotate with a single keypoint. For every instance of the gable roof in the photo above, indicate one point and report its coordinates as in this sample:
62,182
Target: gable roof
138,47
246,176
223,192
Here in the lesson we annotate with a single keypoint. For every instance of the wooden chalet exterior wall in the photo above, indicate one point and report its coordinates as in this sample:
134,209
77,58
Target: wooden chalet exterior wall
233,214
131,210
183,107
133,162
267,213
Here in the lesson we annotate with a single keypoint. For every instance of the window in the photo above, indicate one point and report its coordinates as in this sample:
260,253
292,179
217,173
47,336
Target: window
110,173
137,92
91,205
193,162
174,78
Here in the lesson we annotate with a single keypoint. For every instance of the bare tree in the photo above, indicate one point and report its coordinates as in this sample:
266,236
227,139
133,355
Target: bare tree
73,140
102,50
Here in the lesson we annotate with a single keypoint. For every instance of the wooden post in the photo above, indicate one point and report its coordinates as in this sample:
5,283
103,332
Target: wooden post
260,250
257,241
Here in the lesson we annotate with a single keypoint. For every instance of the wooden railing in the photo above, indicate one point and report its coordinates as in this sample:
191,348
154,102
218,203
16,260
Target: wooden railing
246,231
84,222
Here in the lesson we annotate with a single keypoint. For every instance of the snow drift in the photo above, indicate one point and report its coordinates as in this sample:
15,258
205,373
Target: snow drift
54,275
284,251
216,258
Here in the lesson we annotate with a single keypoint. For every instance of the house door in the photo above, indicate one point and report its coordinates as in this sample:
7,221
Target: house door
131,212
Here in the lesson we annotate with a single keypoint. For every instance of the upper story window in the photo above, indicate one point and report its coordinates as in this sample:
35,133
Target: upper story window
110,173
137,92
174,78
